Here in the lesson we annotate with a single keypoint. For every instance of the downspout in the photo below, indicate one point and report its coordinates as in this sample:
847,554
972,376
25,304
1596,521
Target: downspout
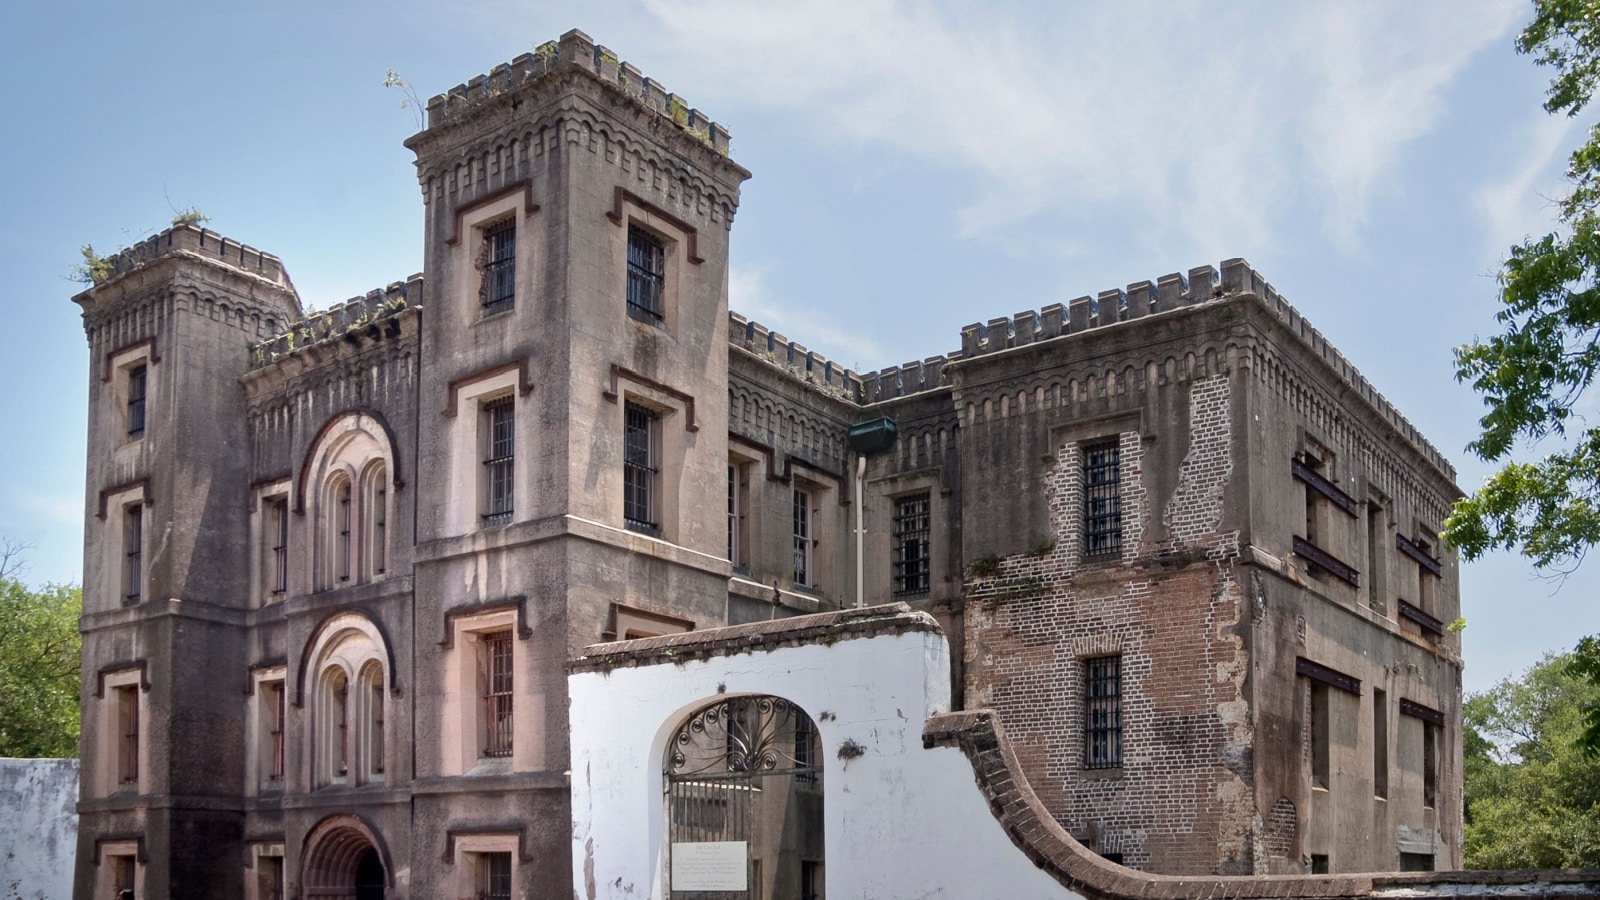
861,563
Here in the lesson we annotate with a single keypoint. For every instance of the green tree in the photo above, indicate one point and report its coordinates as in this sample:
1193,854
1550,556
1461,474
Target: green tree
1535,376
1532,796
39,651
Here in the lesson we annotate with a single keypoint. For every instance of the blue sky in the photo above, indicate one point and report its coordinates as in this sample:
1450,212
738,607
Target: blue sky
917,168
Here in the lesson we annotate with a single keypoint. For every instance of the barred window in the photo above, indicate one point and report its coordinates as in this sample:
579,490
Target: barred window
639,468
278,521
343,548
499,264
802,539
1102,712
646,275
497,696
499,426
911,565
136,393
494,876
128,726
274,698
133,554
1102,499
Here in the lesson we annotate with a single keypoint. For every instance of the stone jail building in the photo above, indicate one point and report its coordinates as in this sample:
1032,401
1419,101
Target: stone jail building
336,563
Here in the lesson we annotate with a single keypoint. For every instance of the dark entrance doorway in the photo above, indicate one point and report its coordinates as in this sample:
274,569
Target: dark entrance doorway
341,861
369,876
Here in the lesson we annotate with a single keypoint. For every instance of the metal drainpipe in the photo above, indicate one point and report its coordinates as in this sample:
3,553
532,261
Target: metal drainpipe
861,582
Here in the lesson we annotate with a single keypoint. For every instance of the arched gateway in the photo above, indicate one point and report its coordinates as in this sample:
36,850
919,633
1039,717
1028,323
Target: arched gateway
744,803
343,860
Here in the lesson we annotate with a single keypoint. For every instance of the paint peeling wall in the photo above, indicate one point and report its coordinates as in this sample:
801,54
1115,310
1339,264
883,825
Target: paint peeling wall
38,827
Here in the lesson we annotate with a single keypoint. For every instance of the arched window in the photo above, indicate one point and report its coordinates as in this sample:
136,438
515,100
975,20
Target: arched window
348,471
350,713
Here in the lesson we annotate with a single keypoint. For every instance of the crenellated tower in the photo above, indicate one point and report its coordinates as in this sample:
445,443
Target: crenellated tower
168,463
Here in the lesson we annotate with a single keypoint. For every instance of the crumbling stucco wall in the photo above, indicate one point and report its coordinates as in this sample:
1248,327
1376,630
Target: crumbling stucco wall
38,827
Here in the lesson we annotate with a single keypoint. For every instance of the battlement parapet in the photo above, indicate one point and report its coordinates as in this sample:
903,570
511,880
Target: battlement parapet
201,242
1201,285
348,318
575,49
794,359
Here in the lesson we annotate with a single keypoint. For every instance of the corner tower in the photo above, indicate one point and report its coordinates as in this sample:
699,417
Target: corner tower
168,326
573,409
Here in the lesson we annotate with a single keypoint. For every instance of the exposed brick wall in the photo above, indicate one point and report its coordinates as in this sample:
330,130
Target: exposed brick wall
1184,799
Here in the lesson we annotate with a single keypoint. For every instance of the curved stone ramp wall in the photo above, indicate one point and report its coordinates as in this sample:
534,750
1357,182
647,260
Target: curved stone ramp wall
979,735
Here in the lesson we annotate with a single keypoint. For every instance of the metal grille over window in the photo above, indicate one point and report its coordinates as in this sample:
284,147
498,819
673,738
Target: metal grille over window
499,420
128,712
136,393
911,545
646,275
497,696
638,469
1102,499
494,876
280,546
499,288
1102,708
802,537
133,549
380,530
275,698
344,549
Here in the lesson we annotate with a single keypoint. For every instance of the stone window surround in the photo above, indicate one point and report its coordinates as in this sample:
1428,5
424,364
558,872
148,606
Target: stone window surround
107,775
106,850
466,845
514,203
120,364
258,736
259,851
464,717
352,646
464,504
679,242
1074,437
262,539
669,406
115,503
352,448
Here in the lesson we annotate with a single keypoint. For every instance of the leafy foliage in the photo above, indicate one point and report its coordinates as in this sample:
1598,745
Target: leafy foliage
39,650
94,269
1532,796
1536,377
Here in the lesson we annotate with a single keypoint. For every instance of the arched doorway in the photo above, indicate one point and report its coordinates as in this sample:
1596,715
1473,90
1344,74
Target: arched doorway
744,803
342,861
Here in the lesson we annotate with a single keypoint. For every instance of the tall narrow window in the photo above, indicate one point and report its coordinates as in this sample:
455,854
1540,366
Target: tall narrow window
340,709
133,554
1430,764
494,876
639,469
274,701
375,519
372,751
499,287
500,444
811,879
342,547
803,574
806,756
136,393
646,274
278,523
1102,499
271,875
124,872
1102,712
1380,743
735,516
1376,599
380,529
497,696
128,734
1320,723
911,545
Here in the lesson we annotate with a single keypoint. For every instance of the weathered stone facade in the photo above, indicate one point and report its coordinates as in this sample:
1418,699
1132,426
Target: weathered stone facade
337,563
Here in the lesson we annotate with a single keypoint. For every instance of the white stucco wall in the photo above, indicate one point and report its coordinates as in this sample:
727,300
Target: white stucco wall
900,821
38,827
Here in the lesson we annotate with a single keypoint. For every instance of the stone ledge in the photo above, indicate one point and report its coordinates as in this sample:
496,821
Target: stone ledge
822,628
978,734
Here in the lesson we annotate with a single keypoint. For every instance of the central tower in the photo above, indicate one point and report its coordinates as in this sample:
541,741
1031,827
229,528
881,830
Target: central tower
573,385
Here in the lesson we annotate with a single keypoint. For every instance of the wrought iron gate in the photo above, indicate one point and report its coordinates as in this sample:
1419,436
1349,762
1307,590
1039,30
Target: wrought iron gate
745,771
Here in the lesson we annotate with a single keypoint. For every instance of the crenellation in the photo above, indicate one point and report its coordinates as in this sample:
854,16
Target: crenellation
336,321
1080,315
794,359
202,242
1108,306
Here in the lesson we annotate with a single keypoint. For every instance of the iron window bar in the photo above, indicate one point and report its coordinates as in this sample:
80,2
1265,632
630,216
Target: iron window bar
133,540
1323,486
802,538
1102,499
499,289
639,469
343,550
646,275
275,768
1424,621
1326,561
498,696
1418,553
280,546
128,698
1102,709
499,466
494,877
137,378
911,531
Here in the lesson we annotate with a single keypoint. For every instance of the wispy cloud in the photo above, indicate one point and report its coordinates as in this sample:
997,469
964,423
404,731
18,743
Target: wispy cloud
1521,204
1205,124
750,295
